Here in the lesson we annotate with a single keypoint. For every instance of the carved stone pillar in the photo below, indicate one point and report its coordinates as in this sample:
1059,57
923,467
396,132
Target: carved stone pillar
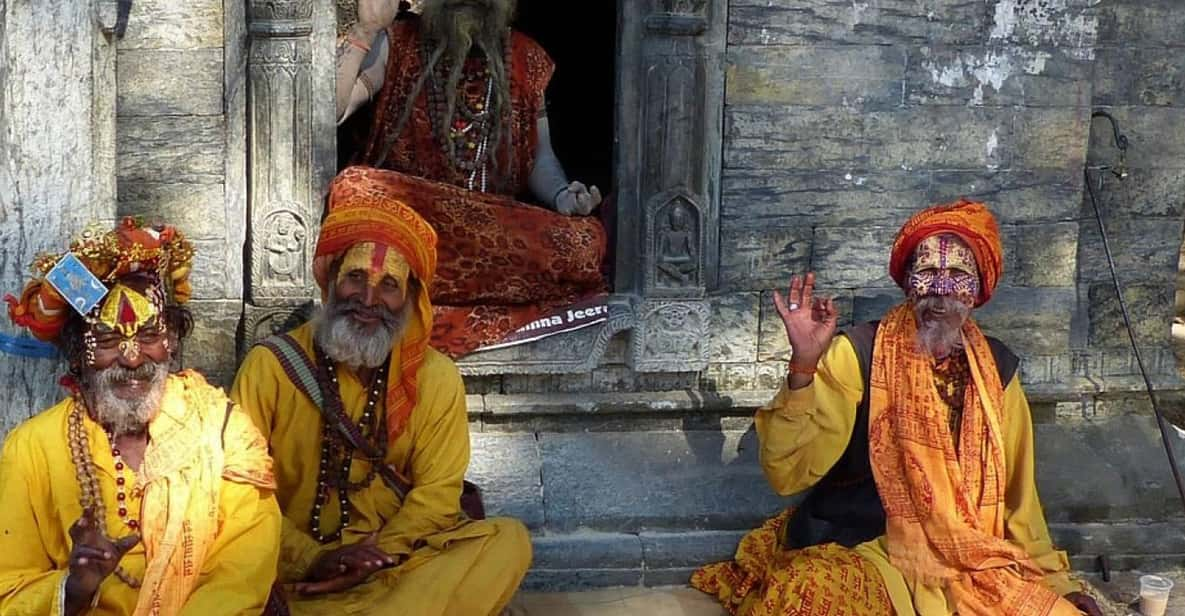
672,90
290,157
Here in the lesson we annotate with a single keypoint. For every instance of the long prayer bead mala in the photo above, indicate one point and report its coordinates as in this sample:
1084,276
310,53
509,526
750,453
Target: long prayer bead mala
88,482
334,447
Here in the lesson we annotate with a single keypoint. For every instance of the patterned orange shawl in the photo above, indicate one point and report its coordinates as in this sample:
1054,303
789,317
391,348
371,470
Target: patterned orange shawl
945,508
188,456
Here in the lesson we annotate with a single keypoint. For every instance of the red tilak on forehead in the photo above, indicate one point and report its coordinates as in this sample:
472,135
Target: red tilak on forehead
127,314
377,259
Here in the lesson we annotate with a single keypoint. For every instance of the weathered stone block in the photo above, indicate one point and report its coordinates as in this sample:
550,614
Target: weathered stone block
852,257
210,348
863,77
691,480
761,256
1125,462
1149,306
1145,249
1054,137
167,24
1114,75
1146,192
1157,135
198,210
480,385
1029,320
566,580
181,149
998,75
727,377
772,343
1016,195
1117,538
872,304
208,276
761,22
733,333
908,138
156,82
1067,24
1155,23
1041,255
507,467
832,198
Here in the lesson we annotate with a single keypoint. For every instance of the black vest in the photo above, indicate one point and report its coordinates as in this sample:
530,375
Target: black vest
844,506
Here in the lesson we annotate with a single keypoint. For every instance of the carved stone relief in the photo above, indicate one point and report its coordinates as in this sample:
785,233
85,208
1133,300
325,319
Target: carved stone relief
280,10
680,7
675,243
284,245
670,336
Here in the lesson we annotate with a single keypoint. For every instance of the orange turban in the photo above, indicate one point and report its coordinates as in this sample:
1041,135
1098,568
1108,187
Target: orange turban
362,209
972,222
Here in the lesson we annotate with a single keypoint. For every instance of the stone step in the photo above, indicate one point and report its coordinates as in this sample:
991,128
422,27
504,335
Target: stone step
612,508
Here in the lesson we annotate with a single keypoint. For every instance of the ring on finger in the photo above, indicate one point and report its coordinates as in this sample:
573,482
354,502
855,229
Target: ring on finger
793,306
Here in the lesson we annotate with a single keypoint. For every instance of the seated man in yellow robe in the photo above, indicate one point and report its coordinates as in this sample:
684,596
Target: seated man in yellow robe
370,434
914,436
143,492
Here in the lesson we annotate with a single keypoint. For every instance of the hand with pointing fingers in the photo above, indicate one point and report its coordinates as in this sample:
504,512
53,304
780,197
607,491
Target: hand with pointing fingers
93,558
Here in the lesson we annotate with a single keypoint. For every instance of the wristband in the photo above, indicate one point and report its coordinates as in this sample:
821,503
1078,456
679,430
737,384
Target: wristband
807,370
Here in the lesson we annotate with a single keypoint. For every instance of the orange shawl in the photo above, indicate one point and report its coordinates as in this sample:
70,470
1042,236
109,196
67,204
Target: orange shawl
945,508
188,456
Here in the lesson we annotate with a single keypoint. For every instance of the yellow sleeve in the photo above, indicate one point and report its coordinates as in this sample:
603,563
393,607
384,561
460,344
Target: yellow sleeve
241,565
1024,518
438,463
803,432
29,579
255,390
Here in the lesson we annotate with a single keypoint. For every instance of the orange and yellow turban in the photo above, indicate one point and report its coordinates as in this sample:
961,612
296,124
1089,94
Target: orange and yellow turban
972,222
366,212
130,250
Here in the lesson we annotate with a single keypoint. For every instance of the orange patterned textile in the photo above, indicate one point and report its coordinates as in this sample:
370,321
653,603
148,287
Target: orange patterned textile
945,508
971,221
502,265
822,580
360,211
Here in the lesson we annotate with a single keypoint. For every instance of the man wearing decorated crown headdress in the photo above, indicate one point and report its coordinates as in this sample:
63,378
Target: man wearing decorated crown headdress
456,126
915,440
370,433
143,492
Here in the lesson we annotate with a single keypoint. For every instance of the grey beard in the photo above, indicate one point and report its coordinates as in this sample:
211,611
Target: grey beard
118,415
348,343
940,337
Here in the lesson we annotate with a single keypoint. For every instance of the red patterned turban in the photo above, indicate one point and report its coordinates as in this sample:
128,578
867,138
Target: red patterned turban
362,210
972,222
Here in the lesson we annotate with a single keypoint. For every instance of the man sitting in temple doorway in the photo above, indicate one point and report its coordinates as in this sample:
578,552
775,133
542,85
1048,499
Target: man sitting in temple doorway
459,131
915,439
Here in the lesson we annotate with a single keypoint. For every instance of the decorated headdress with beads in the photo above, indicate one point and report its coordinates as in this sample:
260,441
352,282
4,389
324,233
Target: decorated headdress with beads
89,279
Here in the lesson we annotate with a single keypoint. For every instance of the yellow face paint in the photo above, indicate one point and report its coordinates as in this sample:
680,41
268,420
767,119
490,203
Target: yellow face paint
945,251
378,261
125,310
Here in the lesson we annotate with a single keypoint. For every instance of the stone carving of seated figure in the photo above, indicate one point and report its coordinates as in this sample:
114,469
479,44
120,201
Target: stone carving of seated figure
459,132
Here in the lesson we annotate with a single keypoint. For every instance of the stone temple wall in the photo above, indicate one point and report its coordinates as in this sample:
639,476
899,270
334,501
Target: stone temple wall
840,119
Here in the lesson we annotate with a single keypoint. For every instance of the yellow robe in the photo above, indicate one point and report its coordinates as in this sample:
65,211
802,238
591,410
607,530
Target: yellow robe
804,432
454,566
40,494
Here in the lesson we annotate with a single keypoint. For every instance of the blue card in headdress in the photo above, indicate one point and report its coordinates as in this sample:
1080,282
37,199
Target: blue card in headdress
81,288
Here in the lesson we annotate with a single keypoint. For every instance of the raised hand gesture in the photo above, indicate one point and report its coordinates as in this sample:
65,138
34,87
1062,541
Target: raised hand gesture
92,558
809,320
